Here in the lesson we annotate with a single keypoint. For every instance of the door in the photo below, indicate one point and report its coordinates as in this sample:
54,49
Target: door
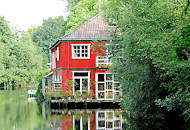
109,86
81,83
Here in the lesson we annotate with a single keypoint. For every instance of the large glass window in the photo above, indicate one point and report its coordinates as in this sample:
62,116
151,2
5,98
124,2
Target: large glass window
81,51
108,86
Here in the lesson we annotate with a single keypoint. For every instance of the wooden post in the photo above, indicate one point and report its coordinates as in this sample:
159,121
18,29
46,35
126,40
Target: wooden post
43,111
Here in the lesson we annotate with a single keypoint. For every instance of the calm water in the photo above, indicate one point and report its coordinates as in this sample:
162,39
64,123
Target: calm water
87,120
17,114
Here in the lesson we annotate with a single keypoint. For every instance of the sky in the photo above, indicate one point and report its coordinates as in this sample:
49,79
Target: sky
23,14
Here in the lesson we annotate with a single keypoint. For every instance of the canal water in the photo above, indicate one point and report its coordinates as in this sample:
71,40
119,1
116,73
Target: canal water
16,113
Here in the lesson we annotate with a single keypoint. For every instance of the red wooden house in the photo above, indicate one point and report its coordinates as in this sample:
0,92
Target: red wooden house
73,59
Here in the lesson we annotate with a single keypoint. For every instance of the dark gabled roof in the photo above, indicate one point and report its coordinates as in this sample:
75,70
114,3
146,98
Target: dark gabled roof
93,29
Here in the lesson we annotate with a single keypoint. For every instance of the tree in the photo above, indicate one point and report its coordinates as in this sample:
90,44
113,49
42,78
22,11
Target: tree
80,13
20,58
28,59
147,71
47,34
5,32
6,38
71,4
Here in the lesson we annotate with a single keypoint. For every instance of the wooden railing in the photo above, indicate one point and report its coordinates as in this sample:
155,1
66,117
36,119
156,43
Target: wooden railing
103,62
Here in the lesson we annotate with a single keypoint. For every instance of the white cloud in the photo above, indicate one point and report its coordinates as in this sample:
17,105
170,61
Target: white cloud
27,13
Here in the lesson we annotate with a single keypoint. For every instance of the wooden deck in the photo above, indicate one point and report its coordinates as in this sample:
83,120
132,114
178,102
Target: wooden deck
87,104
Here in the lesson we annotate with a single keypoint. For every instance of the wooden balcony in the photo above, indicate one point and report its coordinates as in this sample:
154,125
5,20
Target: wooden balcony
103,62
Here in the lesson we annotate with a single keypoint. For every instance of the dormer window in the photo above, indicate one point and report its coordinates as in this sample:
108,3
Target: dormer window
81,51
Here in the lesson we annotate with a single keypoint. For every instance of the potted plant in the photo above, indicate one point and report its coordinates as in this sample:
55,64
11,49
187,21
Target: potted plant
91,95
68,91
77,95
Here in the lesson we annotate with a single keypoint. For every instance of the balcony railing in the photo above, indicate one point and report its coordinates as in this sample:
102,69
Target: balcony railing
103,62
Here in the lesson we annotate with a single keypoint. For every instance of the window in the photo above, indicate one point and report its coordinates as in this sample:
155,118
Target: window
81,51
53,60
58,76
57,53
54,78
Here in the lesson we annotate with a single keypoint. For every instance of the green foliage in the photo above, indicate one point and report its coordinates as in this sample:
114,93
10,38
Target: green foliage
5,47
39,77
20,58
28,59
181,42
71,4
148,70
83,11
5,32
48,33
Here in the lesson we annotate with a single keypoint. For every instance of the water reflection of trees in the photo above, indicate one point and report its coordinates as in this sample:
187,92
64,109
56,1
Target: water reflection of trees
16,113
85,119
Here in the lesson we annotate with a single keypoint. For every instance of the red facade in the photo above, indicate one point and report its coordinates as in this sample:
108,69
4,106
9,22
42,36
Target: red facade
66,65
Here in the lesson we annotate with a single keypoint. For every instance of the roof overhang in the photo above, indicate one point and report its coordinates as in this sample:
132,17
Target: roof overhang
49,74
58,42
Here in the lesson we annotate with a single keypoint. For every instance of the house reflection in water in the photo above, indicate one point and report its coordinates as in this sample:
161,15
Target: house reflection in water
86,120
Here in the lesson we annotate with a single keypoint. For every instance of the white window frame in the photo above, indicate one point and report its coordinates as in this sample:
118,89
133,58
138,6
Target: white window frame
74,57
57,53
105,81
81,77
58,76
53,60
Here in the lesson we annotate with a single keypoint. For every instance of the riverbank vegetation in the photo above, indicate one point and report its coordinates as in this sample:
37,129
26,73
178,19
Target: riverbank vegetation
24,55
20,57
154,70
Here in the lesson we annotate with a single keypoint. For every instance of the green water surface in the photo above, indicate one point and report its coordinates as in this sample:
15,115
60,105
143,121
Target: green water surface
17,114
